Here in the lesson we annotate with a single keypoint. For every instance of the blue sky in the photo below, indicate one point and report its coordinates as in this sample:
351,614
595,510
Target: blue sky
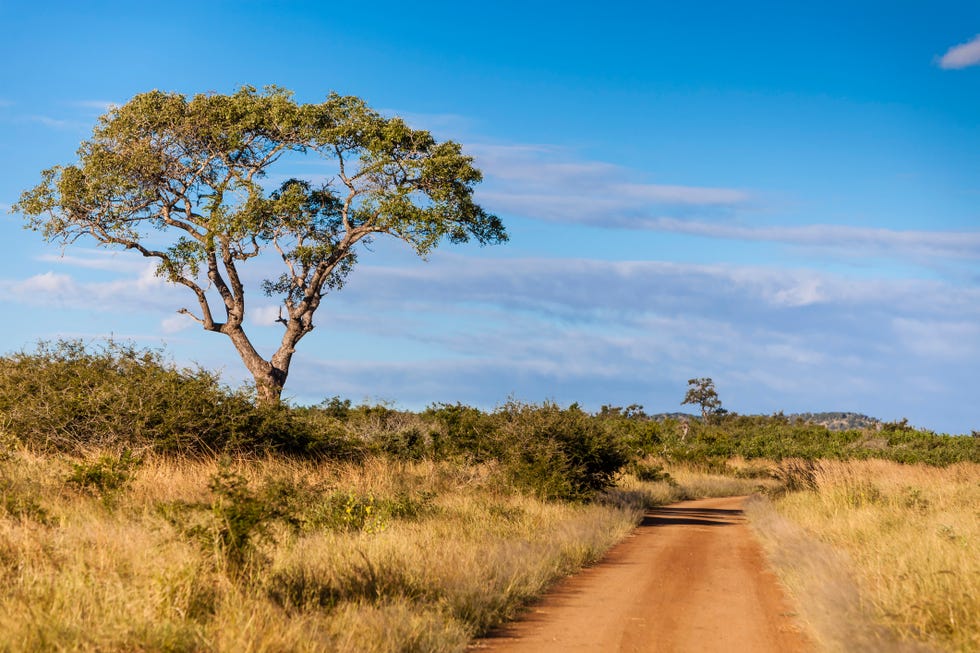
785,198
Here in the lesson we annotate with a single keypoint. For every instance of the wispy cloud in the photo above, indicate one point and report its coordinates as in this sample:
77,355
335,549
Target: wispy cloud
584,289
176,323
98,259
965,244
54,123
550,183
599,331
443,125
143,291
101,106
962,55
265,315
595,331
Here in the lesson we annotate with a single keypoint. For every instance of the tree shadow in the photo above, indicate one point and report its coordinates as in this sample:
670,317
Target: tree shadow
668,516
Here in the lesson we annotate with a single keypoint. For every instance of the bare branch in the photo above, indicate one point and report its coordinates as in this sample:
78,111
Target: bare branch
186,312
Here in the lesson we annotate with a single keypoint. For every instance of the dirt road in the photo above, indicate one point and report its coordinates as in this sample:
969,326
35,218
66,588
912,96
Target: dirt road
691,579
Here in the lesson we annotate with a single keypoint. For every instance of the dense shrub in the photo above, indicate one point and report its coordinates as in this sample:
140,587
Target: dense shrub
557,453
777,437
463,431
67,396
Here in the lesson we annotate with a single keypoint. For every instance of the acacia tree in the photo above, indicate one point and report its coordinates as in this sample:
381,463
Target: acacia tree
180,180
701,391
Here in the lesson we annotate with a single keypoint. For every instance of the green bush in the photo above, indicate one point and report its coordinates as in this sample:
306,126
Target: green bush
557,453
106,475
69,397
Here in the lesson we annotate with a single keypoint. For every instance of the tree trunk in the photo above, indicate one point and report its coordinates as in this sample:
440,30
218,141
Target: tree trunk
270,377
268,388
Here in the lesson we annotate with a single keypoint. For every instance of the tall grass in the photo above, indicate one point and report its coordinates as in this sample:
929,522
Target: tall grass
379,556
907,537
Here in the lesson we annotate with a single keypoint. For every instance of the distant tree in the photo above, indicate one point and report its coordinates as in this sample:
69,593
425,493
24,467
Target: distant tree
633,411
178,181
702,392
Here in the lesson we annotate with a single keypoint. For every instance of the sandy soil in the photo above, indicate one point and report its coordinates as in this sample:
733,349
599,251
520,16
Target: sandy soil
691,578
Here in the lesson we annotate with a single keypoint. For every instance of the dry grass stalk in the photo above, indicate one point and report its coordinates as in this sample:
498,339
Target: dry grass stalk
902,538
118,570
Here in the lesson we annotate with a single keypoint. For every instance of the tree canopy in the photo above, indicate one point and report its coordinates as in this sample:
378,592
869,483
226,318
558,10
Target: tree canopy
702,391
184,181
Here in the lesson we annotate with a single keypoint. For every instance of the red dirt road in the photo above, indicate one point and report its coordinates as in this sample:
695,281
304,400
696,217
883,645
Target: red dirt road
690,579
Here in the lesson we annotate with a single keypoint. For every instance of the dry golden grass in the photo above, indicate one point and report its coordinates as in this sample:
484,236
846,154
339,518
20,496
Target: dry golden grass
880,543
124,569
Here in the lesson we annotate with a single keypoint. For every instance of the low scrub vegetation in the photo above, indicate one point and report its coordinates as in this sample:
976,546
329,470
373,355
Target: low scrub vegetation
145,506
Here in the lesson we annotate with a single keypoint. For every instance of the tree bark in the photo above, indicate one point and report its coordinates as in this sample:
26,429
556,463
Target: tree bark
268,388
270,378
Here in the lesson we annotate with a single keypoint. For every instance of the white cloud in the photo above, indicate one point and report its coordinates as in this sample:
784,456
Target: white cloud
48,283
939,338
98,259
475,329
139,291
101,106
176,323
962,55
442,125
936,244
801,294
584,287
264,315
54,123
549,183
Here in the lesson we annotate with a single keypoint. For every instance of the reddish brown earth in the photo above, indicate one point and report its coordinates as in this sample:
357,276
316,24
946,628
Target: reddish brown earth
691,578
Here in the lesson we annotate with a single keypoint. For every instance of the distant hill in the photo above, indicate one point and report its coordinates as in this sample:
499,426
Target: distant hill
839,421
835,421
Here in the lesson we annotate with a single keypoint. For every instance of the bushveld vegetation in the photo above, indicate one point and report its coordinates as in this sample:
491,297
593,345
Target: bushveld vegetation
149,507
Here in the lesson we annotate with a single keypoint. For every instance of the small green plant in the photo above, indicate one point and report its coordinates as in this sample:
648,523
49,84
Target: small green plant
238,519
8,445
106,475
914,499
648,472
347,511
21,502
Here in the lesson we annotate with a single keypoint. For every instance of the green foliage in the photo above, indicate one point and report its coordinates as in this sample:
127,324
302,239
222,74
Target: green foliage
777,437
557,453
647,471
239,518
176,179
228,527
553,452
73,398
105,475
464,432
701,391
67,396
20,497
348,511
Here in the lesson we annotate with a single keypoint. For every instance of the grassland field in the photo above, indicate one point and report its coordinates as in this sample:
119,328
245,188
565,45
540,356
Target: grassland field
148,508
